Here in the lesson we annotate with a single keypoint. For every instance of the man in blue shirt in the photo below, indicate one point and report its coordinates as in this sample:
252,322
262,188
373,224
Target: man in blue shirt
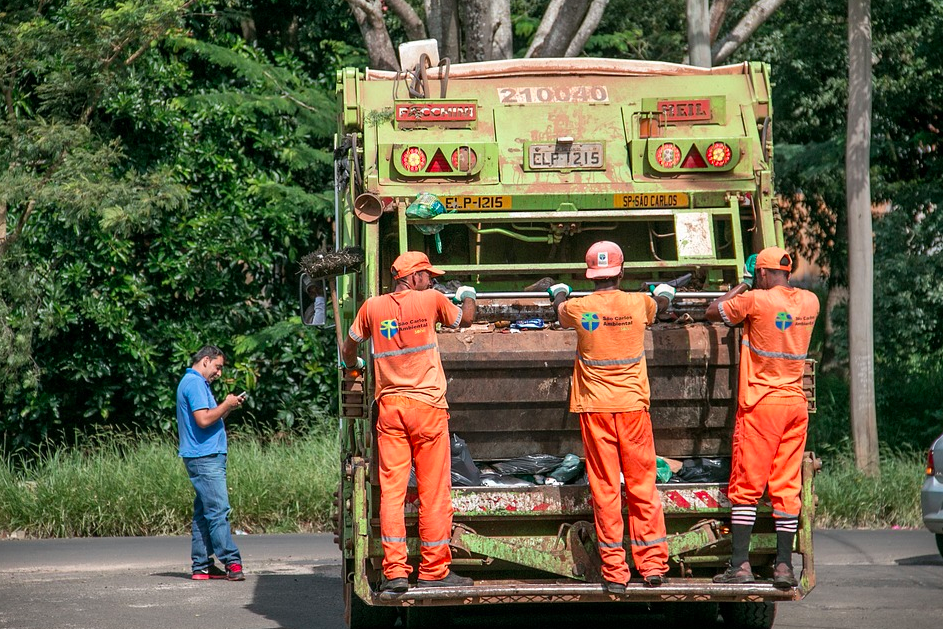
203,450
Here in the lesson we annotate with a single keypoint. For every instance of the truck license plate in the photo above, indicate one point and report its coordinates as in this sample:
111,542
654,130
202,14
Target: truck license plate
557,156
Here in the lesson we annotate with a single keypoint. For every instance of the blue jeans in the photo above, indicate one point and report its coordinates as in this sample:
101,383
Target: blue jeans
211,534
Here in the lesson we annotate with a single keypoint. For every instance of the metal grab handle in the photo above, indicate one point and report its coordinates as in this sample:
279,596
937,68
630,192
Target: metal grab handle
543,294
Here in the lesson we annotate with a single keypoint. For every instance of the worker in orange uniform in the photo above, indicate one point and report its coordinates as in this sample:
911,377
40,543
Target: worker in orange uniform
610,393
772,415
413,414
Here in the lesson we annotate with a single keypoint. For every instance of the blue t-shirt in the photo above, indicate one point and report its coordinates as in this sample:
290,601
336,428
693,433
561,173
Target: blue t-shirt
194,394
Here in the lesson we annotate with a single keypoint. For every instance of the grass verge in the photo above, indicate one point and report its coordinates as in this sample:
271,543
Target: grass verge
127,487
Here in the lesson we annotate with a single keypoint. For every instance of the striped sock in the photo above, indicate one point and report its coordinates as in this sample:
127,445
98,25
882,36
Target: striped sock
785,539
742,518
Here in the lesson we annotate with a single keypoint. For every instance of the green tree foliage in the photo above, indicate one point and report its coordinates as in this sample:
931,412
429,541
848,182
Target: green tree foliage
159,190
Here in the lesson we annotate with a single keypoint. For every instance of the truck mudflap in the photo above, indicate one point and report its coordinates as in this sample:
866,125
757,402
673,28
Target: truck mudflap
564,564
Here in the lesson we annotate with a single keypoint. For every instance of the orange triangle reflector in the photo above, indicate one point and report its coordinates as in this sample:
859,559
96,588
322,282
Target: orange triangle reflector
693,159
439,164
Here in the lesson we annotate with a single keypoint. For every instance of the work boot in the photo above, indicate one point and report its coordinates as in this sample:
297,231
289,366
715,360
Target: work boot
615,588
784,577
449,580
736,574
396,585
654,580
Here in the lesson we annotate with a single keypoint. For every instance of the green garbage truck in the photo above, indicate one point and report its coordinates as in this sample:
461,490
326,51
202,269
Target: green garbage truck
531,161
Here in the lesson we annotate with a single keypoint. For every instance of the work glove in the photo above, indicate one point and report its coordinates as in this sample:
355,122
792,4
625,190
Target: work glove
463,292
558,289
664,290
358,365
748,268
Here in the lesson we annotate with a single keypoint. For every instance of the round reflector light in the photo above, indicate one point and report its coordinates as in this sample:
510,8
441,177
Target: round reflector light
718,154
668,155
464,159
414,159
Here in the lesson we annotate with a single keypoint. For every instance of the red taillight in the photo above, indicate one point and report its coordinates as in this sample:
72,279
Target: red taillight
464,159
668,155
693,160
718,154
931,470
414,159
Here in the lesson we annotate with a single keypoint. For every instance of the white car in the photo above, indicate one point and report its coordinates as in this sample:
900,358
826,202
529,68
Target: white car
931,494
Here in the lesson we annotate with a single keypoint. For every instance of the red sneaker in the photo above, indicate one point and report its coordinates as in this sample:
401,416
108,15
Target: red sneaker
234,572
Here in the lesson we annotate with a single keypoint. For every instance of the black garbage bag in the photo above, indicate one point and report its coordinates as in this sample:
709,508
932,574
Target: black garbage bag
464,471
529,464
703,470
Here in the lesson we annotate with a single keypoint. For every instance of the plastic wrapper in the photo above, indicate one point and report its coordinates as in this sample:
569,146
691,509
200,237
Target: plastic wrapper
427,205
528,324
703,470
464,471
662,471
529,464
500,480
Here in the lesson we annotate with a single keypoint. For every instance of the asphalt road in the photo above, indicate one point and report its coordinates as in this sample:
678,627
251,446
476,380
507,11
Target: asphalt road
866,580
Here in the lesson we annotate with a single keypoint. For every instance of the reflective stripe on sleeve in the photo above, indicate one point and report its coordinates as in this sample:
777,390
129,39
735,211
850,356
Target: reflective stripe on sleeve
723,315
350,332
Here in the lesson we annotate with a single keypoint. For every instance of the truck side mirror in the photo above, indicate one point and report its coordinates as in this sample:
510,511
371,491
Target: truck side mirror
311,298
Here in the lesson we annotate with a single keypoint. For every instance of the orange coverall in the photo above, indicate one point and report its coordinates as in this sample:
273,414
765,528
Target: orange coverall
610,391
772,416
412,423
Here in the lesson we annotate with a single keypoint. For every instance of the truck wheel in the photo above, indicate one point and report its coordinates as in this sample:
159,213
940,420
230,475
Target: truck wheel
359,615
428,617
695,614
939,543
748,615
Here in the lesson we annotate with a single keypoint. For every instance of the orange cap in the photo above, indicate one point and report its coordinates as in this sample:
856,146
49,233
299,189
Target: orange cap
412,262
604,259
774,258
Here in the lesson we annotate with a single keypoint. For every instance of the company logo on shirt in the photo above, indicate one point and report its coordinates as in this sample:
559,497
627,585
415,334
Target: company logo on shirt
389,328
589,321
783,321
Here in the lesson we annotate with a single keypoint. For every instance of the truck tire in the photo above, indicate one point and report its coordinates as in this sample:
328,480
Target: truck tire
939,543
359,615
748,615
695,614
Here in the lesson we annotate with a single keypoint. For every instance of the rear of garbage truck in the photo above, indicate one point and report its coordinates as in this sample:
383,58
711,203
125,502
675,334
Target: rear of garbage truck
524,164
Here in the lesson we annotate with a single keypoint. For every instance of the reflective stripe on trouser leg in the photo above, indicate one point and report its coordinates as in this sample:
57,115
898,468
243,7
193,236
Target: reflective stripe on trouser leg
411,430
768,442
602,467
646,516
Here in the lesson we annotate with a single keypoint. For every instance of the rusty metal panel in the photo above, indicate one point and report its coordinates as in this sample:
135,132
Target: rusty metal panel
508,393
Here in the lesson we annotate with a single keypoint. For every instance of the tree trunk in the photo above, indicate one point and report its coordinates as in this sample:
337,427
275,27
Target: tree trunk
369,16
412,23
557,28
587,28
442,21
699,48
502,31
475,18
860,239
754,18
718,13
